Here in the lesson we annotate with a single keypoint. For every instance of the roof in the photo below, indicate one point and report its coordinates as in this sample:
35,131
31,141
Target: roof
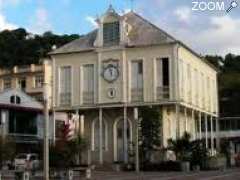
143,33
27,102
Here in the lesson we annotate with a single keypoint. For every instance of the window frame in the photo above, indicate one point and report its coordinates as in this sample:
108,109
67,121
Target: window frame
112,37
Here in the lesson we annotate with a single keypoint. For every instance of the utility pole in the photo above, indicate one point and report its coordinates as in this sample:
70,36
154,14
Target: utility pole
46,131
136,141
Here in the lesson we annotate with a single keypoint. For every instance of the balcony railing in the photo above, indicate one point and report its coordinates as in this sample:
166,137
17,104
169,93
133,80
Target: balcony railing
137,95
163,93
88,97
22,69
21,138
65,99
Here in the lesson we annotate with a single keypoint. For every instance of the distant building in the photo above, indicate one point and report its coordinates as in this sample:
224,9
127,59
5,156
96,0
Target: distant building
27,81
21,119
27,78
128,63
229,121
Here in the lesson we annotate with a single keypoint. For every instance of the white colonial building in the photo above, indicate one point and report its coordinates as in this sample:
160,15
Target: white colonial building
129,63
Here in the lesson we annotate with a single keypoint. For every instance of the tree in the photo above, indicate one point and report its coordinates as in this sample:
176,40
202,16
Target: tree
19,47
187,150
66,149
181,147
150,135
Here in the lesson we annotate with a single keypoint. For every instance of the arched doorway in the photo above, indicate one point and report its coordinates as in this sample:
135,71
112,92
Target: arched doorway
118,135
95,135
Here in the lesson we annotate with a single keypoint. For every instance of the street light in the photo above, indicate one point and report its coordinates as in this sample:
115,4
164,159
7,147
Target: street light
46,135
136,145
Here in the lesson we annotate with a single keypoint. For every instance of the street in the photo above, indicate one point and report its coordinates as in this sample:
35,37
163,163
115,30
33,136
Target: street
231,174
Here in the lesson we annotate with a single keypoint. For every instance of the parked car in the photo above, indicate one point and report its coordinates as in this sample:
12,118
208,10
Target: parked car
27,161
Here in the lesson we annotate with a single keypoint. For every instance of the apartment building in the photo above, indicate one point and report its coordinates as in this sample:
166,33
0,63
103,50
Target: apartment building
125,64
24,121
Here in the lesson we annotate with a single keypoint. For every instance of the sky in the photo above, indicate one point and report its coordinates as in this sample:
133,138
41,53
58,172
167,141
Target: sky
207,28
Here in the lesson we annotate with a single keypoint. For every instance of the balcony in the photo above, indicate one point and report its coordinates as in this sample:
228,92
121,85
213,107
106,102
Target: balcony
23,69
88,97
137,95
163,93
24,138
65,99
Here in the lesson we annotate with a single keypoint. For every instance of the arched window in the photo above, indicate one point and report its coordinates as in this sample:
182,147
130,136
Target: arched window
95,135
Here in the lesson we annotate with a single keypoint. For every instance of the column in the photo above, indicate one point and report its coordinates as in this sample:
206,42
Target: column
125,147
136,141
217,134
54,127
186,119
82,126
212,138
178,122
193,125
206,130
100,137
200,125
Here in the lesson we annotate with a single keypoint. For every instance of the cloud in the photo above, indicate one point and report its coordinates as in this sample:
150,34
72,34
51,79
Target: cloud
4,24
222,36
40,22
92,21
206,32
183,13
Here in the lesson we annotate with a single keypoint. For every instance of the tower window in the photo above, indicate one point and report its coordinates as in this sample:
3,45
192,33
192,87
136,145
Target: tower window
111,33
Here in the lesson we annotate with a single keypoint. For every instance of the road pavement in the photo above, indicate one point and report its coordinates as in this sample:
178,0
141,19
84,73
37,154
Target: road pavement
231,174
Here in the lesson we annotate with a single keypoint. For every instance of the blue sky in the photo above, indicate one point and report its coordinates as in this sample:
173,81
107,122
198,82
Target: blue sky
212,32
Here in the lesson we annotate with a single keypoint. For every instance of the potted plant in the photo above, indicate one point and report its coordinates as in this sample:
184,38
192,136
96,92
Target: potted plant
199,155
181,147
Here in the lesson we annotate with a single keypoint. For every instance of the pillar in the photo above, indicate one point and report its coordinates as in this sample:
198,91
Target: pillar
212,140
206,130
54,127
217,134
82,125
193,125
178,128
100,137
125,147
136,141
200,125
186,119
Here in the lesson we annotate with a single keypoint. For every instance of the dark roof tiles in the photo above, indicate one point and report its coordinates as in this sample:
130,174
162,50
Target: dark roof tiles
142,33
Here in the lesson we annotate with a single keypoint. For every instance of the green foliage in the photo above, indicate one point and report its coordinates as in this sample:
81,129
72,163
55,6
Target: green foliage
67,150
199,153
181,147
150,130
229,83
19,47
187,150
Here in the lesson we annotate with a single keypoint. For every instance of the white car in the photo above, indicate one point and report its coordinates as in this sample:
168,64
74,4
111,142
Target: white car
26,161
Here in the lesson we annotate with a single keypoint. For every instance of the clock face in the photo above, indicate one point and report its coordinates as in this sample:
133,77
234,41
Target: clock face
110,73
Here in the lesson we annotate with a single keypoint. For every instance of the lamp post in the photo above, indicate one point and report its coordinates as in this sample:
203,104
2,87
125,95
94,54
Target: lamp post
46,131
136,143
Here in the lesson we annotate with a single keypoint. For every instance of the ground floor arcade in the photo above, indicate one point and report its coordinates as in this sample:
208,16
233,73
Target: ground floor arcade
111,132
